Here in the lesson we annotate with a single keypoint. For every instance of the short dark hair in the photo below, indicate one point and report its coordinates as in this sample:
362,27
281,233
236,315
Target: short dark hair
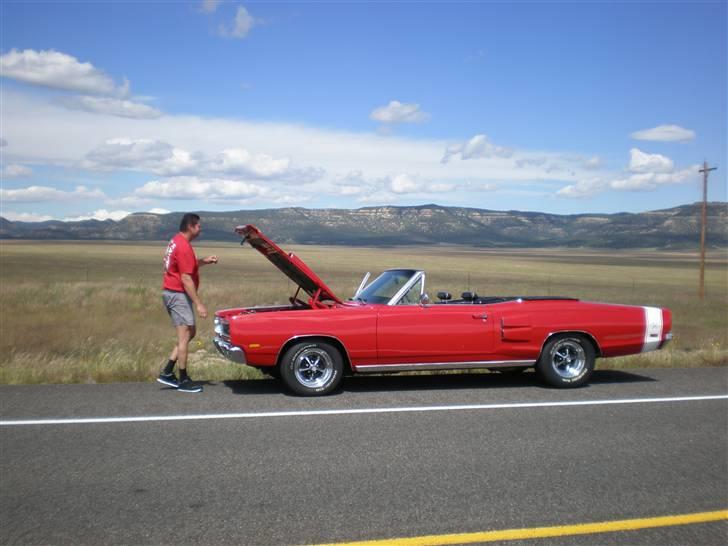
188,220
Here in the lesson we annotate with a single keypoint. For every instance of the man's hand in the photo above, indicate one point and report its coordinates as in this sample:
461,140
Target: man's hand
209,260
201,310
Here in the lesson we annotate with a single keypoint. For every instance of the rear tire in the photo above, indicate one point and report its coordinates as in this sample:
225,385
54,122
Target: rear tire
312,368
567,361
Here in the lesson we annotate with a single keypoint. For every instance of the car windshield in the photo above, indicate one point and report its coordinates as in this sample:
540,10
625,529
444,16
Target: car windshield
385,286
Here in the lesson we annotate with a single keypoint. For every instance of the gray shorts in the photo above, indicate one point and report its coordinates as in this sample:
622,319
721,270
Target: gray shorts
179,307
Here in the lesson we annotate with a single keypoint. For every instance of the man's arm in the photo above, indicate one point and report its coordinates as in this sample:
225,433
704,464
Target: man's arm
207,261
189,285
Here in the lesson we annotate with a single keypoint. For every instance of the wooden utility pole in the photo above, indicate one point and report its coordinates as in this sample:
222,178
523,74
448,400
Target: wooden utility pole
703,222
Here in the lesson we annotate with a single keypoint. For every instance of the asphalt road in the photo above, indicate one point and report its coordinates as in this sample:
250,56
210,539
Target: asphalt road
302,479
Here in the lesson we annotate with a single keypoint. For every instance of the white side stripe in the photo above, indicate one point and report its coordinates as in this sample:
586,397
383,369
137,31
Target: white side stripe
653,329
418,409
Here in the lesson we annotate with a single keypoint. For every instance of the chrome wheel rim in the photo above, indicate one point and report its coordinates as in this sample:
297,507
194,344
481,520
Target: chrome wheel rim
313,367
568,358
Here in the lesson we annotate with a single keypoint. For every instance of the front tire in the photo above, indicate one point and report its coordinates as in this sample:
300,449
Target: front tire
567,361
312,368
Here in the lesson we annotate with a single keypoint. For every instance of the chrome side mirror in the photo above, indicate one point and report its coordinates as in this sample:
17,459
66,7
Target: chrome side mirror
424,300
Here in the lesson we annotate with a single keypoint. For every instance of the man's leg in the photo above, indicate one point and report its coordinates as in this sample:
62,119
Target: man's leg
174,355
184,335
167,375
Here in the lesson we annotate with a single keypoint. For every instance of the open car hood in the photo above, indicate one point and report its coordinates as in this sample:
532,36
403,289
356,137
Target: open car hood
291,265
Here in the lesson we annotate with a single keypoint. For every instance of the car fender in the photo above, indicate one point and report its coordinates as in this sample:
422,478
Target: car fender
588,335
335,341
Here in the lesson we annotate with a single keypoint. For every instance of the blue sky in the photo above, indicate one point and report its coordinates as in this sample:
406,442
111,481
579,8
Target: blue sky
565,107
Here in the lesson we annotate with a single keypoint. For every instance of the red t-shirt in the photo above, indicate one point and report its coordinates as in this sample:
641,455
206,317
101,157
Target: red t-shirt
179,258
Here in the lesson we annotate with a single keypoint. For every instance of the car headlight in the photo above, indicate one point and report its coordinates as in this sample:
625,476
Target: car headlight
222,327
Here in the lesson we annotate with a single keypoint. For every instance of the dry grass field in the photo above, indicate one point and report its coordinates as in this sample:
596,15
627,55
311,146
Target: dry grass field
92,311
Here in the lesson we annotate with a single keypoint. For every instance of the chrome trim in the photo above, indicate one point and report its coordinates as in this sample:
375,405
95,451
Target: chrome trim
313,367
409,284
229,351
369,368
362,284
668,339
304,336
568,358
558,332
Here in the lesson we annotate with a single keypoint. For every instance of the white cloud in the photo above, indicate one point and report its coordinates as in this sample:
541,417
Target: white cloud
25,216
127,152
641,162
159,211
37,194
648,172
290,199
350,190
191,187
154,156
397,112
440,188
648,181
101,214
593,162
110,106
209,6
583,188
321,160
16,171
57,70
529,162
376,198
3,142
478,147
241,25
161,158
129,201
652,180
353,183
665,133
403,183
240,161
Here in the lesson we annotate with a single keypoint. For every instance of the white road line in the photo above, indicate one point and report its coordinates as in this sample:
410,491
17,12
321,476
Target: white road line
310,413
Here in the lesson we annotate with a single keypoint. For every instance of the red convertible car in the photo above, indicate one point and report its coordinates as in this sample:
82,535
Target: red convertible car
390,325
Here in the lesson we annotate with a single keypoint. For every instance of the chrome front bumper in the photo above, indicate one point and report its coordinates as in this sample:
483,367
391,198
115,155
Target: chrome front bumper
229,351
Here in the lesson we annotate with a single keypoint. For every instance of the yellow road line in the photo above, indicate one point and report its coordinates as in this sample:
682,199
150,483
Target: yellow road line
545,532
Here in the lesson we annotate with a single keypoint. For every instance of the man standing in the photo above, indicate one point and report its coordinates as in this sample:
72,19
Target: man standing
181,281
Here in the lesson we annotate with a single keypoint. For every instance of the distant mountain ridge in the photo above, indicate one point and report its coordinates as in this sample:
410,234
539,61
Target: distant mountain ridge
677,227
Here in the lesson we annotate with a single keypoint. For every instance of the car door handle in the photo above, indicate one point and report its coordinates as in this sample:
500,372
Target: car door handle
483,317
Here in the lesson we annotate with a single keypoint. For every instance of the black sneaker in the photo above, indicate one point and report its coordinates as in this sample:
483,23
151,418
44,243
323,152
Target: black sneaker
168,379
186,385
